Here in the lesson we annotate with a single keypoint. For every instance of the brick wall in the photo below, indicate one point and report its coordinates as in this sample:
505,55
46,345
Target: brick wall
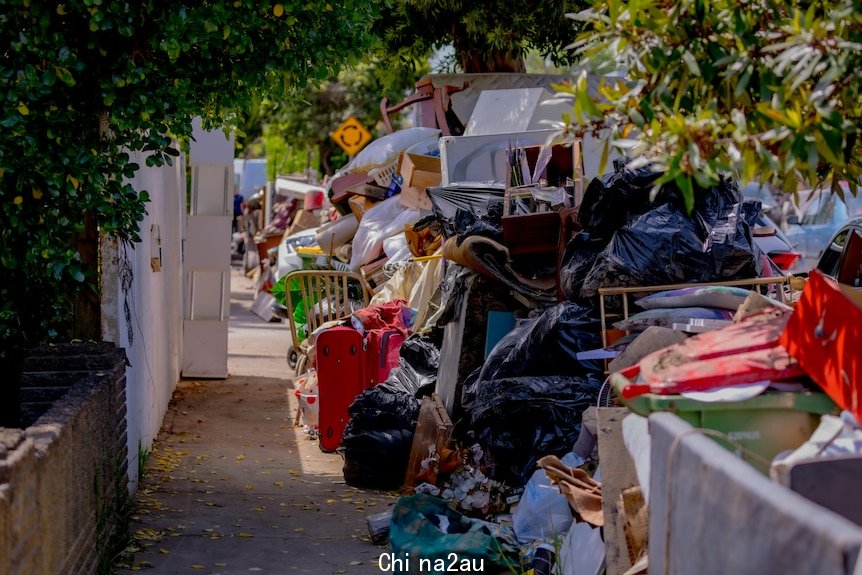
63,478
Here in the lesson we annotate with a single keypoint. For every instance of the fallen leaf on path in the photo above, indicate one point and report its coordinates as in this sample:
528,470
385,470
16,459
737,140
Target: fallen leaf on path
242,534
300,530
149,534
164,551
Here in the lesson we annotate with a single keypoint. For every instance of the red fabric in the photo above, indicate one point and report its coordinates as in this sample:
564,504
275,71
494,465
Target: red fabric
389,315
741,353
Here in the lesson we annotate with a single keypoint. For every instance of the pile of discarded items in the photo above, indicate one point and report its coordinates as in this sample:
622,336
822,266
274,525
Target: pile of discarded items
491,348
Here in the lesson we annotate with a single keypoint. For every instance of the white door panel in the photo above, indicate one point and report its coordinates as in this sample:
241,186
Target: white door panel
206,257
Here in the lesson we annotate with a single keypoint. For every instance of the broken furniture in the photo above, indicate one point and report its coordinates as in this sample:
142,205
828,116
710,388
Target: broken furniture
325,297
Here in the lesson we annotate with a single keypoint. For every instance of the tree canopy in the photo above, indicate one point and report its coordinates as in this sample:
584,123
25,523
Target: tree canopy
87,81
308,120
768,89
488,35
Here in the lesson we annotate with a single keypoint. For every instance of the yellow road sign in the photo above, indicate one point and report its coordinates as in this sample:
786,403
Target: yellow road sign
351,136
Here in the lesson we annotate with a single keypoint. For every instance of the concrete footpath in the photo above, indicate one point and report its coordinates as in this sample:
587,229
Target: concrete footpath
232,487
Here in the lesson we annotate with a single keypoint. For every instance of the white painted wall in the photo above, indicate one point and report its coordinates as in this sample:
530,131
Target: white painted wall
154,300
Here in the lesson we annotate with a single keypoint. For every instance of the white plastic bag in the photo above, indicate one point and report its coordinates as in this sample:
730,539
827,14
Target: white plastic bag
382,221
307,398
394,244
543,511
386,149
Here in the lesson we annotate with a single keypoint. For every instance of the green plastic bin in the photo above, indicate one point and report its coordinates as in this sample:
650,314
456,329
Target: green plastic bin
765,425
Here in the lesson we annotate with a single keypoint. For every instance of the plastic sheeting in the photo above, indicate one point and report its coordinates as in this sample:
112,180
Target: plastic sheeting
474,199
426,527
490,225
578,259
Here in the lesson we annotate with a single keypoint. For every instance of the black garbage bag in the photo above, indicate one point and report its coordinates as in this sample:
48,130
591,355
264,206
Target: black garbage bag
610,202
422,355
548,345
666,246
379,434
378,437
519,420
731,243
578,259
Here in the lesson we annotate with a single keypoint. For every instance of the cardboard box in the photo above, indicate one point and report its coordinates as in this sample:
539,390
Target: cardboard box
823,335
359,205
419,172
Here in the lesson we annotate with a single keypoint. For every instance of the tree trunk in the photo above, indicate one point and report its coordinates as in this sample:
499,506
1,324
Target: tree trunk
473,62
325,155
87,321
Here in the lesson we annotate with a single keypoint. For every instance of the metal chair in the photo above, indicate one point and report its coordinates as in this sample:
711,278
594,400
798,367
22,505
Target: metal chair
325,295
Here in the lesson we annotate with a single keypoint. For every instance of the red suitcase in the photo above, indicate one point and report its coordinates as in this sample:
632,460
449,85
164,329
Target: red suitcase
383,347
341,376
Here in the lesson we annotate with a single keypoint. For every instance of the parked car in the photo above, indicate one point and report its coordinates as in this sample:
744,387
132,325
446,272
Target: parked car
772,241
818,215
842,257
769,200
287,259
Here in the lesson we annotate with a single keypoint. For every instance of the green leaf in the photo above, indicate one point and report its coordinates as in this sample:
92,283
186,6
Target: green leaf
64,75
684,184
603,162
691,63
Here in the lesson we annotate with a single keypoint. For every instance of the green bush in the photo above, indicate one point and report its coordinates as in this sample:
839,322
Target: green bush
86,82
767,89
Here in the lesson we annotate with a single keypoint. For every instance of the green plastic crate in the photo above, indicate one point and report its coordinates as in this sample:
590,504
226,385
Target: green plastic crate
765,425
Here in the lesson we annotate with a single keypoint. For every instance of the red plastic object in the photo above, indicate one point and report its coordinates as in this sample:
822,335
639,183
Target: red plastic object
824,335
341,377
785,260
383,347
313,200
